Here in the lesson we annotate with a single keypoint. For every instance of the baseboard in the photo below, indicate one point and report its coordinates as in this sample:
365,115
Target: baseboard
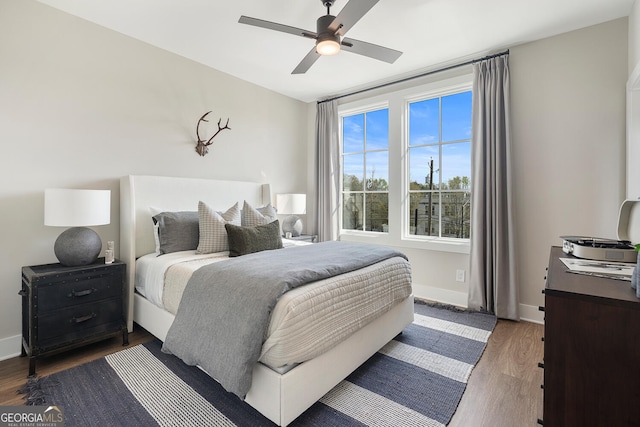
528,313
10,347
444,296
531,313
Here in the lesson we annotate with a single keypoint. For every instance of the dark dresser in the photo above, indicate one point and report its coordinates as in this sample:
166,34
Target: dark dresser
66,307
591,349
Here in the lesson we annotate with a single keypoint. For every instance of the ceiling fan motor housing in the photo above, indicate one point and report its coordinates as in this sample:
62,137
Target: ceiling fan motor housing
322,26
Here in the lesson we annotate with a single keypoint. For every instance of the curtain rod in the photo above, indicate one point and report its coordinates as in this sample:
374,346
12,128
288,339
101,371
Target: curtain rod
428,73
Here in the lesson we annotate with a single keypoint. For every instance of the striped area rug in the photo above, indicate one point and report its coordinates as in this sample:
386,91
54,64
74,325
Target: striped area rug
417,379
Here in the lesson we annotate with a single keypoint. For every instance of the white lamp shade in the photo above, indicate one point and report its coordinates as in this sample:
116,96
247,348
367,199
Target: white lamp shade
291,204
76,208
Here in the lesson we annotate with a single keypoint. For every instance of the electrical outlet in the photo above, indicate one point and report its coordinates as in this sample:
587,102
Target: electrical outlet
459,275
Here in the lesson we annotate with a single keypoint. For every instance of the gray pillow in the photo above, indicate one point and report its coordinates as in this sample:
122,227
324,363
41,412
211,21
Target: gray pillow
177,231
247,240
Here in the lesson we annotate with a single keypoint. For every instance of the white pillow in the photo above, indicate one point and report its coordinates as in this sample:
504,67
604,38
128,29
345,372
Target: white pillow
252,217
213,235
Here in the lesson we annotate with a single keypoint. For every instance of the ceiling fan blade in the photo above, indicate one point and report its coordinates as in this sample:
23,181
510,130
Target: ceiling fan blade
371,50
277,27
350,14
307,62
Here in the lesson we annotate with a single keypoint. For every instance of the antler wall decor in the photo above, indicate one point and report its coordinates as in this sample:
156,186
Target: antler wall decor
202,147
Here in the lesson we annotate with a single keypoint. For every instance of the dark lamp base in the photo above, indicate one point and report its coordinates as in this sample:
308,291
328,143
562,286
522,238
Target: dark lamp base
77,246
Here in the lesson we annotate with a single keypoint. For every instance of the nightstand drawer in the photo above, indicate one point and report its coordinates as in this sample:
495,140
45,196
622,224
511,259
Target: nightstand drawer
64,307
78,322
82,291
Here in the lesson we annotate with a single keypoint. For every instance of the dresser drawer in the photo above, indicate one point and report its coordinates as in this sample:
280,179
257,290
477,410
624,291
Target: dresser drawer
79,322
53,296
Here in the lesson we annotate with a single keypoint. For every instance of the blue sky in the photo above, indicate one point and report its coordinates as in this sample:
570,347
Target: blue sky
424,134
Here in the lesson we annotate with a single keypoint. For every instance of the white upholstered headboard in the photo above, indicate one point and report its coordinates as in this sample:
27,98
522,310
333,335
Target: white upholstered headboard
138,193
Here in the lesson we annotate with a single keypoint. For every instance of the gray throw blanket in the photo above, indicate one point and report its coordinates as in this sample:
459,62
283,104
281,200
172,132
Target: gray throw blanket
224,313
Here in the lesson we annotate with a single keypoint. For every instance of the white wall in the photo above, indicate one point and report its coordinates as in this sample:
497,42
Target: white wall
634,36
633,105
81,106
568,116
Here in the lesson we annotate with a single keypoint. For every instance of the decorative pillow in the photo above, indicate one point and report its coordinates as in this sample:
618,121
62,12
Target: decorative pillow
177,231
252,217
247,240
213,236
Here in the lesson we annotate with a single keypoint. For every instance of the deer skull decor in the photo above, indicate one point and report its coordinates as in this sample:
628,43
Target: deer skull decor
202,147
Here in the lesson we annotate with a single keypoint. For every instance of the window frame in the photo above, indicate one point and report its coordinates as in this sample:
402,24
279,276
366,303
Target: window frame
418,97
396,101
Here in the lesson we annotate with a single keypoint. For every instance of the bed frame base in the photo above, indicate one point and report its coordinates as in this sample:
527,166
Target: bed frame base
283,397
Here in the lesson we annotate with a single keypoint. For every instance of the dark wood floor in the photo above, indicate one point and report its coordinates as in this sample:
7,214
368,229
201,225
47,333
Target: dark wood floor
504,388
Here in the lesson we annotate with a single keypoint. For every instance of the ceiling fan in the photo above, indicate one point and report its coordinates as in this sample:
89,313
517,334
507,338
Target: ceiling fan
329,35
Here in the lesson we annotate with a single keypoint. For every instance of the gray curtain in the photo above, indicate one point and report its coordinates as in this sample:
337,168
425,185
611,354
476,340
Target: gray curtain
328,170
492,284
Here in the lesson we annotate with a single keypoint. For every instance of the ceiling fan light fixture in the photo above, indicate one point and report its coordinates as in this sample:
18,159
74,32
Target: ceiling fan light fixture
328,46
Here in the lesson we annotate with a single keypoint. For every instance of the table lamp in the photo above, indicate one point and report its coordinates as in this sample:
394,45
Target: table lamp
78,209
292,205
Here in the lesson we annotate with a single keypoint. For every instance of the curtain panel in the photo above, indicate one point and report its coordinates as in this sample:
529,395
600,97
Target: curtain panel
328,170
492,283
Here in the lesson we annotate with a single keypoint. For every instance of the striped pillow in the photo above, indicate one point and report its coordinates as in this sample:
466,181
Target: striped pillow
252,217
213,235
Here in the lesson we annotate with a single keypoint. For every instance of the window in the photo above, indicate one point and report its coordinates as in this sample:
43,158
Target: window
406,166
365,171
439,171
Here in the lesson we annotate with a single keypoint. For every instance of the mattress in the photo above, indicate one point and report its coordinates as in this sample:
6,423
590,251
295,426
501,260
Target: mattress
307,320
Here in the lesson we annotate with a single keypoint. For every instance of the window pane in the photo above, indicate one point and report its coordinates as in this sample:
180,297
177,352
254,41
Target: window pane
352,211
456,214
420,166
424,122
456,117
353,172
378,129
377,212
456,166
423,214
377,171
353,134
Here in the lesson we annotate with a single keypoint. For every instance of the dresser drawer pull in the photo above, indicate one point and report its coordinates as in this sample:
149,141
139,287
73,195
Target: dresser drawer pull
75,293
83,318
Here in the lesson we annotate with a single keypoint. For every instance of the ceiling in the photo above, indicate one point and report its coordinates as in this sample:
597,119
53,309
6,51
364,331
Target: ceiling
431,33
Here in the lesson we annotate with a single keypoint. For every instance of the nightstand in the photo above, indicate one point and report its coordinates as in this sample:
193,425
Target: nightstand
67,307
305,238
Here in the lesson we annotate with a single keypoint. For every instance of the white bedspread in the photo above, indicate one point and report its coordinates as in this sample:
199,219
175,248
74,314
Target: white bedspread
307,320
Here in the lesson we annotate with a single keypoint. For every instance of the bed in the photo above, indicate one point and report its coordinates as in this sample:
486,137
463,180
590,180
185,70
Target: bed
279,394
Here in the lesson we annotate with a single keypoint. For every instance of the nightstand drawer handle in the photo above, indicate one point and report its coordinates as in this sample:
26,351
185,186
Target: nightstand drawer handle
83,318
75,293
